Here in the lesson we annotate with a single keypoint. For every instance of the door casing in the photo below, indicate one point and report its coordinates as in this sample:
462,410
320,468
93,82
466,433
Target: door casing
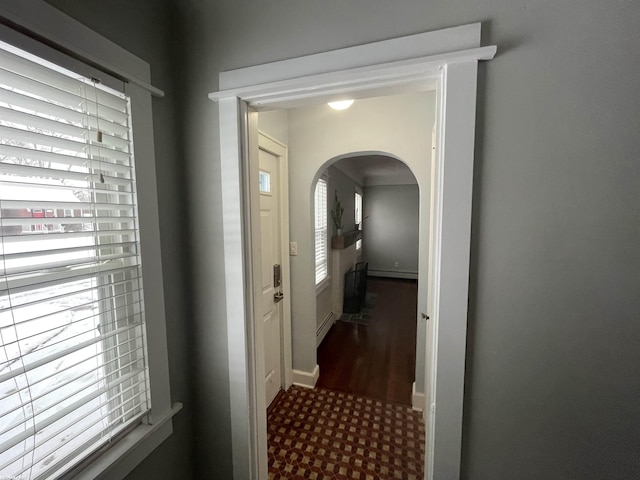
449,58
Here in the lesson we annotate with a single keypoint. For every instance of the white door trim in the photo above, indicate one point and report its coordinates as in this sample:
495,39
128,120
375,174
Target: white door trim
455,73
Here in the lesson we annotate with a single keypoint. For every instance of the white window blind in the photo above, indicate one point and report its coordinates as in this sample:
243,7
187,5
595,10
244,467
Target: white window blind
73,372
358,217
321,230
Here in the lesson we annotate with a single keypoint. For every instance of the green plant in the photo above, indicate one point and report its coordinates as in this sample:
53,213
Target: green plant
337,211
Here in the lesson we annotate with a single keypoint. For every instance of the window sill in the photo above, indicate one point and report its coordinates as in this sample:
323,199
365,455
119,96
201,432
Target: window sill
323,285
118,461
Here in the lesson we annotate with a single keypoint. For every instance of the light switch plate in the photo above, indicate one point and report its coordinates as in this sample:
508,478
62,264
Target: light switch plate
293,248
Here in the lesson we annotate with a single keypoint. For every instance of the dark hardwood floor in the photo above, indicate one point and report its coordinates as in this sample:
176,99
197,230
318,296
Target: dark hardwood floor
375,360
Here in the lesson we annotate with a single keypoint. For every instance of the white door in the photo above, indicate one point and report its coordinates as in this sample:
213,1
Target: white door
271,272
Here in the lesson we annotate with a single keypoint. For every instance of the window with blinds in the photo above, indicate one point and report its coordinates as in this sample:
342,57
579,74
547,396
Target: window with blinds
73,372
358,217
321,230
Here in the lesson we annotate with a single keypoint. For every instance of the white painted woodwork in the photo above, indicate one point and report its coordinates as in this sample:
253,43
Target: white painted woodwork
393,78
452,185
306,379
271,247
417,400
246,391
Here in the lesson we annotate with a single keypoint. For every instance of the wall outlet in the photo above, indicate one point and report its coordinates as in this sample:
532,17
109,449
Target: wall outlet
396,264
293,248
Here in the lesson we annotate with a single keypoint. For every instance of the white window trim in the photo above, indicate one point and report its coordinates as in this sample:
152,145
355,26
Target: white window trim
359,241
44,20
323,285
326,182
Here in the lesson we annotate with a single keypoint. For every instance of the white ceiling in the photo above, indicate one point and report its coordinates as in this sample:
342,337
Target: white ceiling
376,170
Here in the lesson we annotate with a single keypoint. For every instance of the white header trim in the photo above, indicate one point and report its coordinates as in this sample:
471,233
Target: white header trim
391,74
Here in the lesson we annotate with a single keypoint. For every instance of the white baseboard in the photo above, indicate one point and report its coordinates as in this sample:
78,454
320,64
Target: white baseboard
324,328
392,274
417,399
306,379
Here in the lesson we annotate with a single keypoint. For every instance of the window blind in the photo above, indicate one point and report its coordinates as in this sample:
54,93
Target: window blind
73,372
321,230
358,217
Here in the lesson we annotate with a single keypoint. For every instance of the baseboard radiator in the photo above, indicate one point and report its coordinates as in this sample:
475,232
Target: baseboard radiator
323,328
393,274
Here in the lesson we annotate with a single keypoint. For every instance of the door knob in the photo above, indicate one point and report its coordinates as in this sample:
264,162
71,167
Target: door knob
424,316
278,296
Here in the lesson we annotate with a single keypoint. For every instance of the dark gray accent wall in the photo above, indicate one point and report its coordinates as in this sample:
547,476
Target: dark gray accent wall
553,364
391,230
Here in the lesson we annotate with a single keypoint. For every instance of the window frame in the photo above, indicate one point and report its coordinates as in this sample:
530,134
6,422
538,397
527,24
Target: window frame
90,49
325,227
358,216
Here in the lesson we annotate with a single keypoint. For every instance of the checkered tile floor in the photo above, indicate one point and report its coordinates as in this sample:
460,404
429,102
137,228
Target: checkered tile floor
326,435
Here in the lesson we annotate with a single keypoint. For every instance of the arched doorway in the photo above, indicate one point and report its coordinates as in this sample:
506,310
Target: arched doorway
367,342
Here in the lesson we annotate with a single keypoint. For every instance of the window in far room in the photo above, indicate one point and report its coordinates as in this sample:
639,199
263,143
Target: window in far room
358,217
321,234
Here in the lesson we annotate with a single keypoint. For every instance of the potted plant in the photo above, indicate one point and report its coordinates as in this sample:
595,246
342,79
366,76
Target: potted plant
336,213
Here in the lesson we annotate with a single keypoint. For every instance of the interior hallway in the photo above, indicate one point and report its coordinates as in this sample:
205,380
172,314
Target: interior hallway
375,360
358,421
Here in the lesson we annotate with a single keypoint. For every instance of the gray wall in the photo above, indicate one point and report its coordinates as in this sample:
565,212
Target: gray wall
552,371
391,230
346,187
552,382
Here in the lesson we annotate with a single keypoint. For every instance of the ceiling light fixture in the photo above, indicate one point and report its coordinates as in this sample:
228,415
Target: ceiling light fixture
341,105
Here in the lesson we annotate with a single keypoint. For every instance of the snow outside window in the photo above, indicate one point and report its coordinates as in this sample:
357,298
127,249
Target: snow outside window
322,260
73,373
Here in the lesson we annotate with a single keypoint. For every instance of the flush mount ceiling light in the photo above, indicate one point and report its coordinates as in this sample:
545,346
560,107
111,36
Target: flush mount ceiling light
341,105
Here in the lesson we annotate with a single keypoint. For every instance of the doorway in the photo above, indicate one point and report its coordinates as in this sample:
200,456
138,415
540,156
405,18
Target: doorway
368,347
447,58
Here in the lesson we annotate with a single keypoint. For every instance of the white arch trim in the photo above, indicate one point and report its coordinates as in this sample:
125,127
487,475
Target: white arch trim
360,153
447,58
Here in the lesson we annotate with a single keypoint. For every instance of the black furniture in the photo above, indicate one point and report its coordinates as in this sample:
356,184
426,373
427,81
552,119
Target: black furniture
355,288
